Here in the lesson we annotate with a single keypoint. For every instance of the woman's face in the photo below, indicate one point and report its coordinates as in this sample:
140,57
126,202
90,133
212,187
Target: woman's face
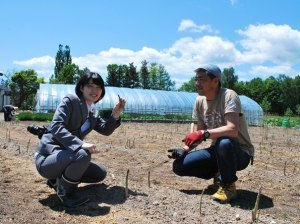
91,92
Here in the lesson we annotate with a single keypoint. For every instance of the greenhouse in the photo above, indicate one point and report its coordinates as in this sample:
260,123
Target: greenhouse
141,101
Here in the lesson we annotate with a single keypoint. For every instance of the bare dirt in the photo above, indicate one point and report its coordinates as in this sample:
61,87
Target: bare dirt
142,149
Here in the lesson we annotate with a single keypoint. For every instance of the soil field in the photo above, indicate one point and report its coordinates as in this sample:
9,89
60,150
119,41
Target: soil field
155,193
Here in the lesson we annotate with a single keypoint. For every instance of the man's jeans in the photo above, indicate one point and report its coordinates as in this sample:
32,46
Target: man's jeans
225,157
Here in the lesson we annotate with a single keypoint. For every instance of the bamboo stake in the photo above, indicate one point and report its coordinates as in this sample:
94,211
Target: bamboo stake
149,179
126,184
284,169
19,149
28,143
200,206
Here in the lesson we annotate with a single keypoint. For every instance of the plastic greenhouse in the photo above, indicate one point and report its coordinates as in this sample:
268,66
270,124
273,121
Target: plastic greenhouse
141,101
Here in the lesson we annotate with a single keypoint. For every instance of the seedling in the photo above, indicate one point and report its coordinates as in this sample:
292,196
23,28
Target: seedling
255,215
200,206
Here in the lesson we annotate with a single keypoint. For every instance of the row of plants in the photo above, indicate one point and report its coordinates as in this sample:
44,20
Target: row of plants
269,120
29,116
279,121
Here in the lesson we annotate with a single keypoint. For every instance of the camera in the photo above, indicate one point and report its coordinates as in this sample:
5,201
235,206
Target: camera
36,130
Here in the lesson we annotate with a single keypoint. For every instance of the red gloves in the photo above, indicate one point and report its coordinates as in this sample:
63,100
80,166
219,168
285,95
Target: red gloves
194,137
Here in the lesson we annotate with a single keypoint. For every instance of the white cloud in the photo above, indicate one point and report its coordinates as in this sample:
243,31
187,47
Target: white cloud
41,62
44,66
266,71
191,26
279,44
264,49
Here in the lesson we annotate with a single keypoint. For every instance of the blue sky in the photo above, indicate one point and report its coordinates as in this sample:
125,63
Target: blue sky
259,38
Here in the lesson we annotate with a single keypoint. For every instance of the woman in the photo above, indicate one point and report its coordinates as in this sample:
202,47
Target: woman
62,156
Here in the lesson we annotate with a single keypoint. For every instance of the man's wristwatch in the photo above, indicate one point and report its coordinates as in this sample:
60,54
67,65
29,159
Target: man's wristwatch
206,134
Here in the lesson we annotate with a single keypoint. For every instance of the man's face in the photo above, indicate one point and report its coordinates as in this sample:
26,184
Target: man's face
204,84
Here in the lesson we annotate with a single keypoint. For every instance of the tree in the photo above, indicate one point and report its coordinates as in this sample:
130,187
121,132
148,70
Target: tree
153,76
63,58
133,76
265,105
67,55
256,89
189,86
121,75
112,75
164,79
229,79
144,75
69,74
288,91
272,94
241,88
24,85
59,63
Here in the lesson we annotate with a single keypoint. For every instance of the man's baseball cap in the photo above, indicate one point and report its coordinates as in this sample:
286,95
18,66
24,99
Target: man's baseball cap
212,69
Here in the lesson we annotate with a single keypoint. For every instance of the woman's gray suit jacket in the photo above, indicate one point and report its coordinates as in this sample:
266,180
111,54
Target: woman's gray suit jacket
65,128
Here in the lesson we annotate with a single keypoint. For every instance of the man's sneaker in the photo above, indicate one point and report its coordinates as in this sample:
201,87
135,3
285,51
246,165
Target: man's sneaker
225,193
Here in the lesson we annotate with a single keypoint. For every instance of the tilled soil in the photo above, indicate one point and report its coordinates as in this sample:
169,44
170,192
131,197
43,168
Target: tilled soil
156,194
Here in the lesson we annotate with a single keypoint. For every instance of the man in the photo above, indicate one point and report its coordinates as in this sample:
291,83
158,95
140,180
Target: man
8,112
220,118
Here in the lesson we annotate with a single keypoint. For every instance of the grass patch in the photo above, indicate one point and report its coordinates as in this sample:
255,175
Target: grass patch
28,116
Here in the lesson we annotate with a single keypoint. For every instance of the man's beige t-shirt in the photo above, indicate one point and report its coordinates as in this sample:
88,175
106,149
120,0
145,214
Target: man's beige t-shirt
212,114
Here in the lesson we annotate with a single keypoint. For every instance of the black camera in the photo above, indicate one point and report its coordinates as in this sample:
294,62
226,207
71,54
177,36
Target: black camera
36,130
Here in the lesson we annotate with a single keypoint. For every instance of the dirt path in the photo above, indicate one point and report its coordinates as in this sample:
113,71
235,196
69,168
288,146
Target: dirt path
24,198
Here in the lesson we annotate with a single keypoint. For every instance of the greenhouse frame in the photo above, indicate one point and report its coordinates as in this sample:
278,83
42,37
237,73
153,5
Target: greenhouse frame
141,101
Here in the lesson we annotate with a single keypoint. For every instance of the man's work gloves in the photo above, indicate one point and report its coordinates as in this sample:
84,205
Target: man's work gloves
177,153
191,140
195,137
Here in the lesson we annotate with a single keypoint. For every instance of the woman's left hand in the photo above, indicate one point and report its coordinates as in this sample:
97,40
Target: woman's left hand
118,108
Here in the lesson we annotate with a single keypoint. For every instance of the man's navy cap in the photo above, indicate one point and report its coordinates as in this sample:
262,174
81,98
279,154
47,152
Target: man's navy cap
212,69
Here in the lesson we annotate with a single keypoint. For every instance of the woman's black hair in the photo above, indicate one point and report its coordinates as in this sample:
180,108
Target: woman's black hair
84,80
